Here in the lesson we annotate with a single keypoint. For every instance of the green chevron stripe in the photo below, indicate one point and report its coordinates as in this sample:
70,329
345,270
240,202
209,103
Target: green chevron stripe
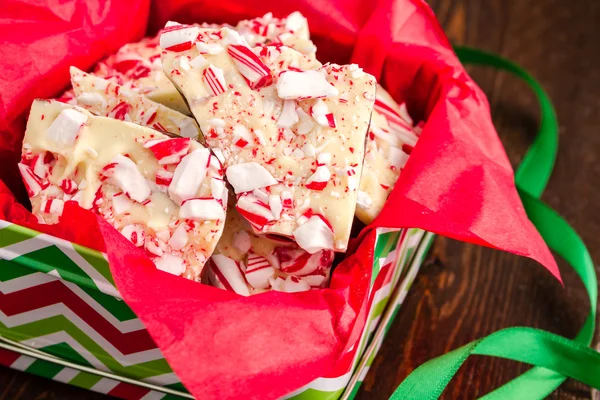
63,350
313,394
96,260
85,380
33,262
14,234
61,323
44,369
10,270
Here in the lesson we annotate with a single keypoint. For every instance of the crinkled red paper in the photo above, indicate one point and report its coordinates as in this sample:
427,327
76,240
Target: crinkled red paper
458,181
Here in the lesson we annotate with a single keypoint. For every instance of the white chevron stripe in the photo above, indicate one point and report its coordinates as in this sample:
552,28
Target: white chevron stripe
164,379
4,224
104,385
22,363
67,247
42,241
26,246
153,395
39,278
61,309
415,239
382,293
374,324
66,375
363,373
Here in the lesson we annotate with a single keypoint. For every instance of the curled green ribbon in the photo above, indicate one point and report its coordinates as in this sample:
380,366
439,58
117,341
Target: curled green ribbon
555,358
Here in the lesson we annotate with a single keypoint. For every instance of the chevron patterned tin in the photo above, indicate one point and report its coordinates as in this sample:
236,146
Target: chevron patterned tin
62,318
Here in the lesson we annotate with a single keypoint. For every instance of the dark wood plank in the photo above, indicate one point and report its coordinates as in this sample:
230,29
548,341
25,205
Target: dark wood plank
466,292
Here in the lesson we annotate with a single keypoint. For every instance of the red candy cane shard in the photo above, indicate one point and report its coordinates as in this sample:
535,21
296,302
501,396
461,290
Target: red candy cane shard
214,80
33,184
255,211
254,71
176,37
169,151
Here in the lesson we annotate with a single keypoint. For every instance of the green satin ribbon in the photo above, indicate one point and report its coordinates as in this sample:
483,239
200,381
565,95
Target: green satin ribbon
555,358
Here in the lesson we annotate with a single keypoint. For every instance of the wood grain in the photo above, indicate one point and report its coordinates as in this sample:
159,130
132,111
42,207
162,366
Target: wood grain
465,292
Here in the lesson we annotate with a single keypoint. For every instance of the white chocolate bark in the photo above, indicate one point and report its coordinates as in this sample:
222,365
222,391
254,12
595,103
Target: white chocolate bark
250,264
165,195
290,131
390,141
109,99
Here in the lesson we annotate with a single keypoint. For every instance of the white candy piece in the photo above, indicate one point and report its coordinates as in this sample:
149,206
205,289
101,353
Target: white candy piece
290,285
304,85
66,127
189,175
288,116
202,210
248,176
179,238
314,235
241,241
135,234
126,176
170,263
121,203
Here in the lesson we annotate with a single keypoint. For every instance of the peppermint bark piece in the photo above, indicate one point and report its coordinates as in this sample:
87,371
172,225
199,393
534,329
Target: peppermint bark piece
246,263
390,141
167,196
109,99
289,130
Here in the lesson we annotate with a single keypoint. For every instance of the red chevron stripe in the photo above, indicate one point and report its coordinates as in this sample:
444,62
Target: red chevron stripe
128,391
56,292
8,357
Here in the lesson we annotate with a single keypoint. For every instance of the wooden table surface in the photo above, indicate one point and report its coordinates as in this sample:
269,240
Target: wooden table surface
466,292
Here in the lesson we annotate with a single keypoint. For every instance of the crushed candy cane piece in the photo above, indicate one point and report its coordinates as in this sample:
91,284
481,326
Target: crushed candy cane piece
214,80
66,127
241,241
178,37
135,234
254,71
202,210
248,176
168,151
170,263
228,274
179,238
189,175
304,85
258,271
288,116
52,206
314,235
124,173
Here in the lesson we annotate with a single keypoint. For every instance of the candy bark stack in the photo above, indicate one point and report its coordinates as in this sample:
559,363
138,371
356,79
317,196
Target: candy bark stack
289,131
167,196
